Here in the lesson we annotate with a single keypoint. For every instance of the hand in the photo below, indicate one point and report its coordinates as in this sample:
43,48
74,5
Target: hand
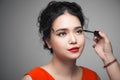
103,47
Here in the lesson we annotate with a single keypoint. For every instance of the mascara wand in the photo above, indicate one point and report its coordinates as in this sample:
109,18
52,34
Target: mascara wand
96,33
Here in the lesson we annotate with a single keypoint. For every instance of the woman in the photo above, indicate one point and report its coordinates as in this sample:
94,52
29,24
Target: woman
61,25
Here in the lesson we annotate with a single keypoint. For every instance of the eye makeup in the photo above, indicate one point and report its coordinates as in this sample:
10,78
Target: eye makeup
96,33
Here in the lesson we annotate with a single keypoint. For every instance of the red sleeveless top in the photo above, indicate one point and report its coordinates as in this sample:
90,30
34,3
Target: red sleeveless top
40,74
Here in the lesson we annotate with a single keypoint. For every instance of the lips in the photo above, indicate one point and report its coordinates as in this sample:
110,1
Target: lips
74,49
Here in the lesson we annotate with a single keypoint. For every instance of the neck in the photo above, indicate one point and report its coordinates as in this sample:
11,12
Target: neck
63,67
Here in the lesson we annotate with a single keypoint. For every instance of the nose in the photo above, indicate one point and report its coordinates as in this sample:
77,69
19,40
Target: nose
72,39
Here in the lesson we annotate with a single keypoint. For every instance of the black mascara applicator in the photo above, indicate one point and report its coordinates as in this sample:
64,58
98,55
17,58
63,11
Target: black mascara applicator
96,33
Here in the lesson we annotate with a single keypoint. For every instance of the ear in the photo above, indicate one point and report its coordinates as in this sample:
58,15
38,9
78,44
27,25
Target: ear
47,41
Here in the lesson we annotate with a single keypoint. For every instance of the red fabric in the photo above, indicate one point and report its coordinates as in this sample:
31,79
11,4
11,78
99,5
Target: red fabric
89,74
40,74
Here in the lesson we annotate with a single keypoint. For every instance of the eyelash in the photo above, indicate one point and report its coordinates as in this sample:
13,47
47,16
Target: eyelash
61,34
79,31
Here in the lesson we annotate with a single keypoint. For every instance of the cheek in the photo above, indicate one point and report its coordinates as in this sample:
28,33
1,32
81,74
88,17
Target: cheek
57,42
81,40
58,45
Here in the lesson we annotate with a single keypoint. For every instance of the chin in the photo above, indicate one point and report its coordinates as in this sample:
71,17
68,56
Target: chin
74,56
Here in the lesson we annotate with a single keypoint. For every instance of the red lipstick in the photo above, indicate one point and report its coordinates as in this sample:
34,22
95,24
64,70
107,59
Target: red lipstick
74,49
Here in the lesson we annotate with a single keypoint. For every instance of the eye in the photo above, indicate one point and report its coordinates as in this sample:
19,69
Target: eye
79,31
61,34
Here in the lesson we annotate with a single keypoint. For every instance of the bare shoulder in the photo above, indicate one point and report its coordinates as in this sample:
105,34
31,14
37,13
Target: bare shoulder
27,77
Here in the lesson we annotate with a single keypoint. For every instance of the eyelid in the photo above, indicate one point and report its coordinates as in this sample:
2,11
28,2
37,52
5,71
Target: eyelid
79,29
61,34
64,29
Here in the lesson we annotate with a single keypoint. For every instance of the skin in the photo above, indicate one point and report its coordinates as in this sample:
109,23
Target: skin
65,34
103,48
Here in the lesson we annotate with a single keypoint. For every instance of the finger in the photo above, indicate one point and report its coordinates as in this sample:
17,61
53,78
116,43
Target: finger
104,36
96,33
94,46
96,39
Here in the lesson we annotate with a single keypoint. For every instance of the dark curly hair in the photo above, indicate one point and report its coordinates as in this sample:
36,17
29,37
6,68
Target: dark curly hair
53,10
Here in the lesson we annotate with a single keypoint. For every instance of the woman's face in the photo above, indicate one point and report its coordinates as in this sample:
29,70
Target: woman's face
67,39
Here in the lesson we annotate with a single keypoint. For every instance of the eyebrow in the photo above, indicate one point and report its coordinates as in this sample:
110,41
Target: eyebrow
64,29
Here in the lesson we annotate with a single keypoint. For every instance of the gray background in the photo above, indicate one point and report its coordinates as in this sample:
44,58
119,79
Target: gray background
21,47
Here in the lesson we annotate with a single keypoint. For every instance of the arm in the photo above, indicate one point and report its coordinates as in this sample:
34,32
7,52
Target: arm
27,77
103,49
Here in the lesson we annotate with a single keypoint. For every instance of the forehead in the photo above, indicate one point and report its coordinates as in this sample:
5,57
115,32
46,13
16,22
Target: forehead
66,20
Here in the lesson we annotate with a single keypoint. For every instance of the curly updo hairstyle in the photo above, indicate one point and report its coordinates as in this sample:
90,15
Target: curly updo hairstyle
53,10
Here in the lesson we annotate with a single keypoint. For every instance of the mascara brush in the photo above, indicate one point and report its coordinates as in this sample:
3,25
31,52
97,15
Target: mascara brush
96,33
